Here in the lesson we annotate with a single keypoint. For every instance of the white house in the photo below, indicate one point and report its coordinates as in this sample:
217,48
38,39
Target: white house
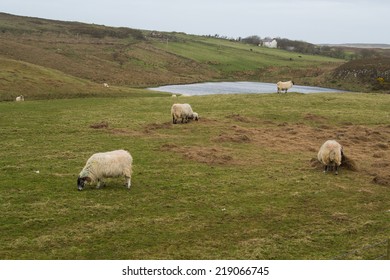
269,43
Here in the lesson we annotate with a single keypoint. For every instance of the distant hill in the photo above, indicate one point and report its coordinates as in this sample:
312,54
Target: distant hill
54,59
360,46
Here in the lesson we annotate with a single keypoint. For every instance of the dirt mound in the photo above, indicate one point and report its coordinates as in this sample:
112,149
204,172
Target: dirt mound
101,125
155,126
316,164
348,163
208,155
382,180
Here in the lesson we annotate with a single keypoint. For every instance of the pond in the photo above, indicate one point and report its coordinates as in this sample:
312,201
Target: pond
235,87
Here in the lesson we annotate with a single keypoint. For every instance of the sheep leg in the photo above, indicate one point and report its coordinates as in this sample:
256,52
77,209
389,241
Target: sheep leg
100,184
128,182
336,170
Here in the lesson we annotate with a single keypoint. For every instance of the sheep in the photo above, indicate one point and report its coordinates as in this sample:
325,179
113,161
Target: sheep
106,165
106,85
331,155
19,98
174,95
183,111
284,86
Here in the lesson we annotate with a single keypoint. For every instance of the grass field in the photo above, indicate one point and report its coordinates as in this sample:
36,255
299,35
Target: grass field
238,184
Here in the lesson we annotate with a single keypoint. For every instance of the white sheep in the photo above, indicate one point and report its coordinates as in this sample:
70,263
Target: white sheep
284,86
183,111
106,165
106,85
331,155
19,98
174,95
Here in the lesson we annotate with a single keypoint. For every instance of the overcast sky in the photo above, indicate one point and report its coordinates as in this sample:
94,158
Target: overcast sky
316,21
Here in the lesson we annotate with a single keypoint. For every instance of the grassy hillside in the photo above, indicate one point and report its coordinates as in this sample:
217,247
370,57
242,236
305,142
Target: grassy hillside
365,74
37,82
237,61
125,57
238,184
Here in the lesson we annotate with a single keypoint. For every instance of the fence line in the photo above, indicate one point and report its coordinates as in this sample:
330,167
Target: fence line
384,256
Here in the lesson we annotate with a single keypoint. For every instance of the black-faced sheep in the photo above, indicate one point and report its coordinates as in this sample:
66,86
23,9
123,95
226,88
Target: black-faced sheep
331,155
284,86
106,165
183,111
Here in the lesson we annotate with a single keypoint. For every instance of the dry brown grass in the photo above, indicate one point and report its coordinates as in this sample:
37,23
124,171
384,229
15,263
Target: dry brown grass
366,148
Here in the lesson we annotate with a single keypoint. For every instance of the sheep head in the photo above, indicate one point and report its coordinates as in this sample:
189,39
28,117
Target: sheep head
81,182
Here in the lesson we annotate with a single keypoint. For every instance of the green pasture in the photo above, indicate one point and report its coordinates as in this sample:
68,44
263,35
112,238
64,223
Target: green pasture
231,57
238,184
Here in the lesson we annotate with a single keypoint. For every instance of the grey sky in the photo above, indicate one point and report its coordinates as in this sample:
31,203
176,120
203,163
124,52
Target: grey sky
323,21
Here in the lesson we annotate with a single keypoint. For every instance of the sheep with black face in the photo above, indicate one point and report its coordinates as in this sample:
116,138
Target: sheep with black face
106,165
331,155
284,86
183,111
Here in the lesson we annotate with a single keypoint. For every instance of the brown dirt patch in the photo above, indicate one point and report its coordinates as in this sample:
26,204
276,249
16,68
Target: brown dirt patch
101,125
120,131
381,180
235,138
382,146
315,118
156,126
348,163
365,148
236,134
315,163
238,118
208,155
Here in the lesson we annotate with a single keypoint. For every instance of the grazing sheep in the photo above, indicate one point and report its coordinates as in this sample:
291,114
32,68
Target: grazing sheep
106,165
284,86
105,85
183,111
174,96
19,98
331,155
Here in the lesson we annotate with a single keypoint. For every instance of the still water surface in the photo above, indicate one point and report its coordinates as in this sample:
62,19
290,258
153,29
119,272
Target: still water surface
235,87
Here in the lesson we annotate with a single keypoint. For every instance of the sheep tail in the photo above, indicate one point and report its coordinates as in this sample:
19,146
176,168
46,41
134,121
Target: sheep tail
332,156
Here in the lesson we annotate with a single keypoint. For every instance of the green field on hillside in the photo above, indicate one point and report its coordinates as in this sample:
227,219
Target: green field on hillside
238,184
